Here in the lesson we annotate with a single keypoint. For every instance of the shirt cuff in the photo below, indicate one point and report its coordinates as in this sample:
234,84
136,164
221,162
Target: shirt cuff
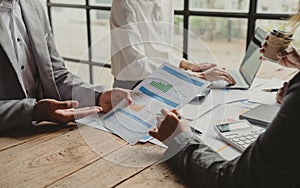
177,143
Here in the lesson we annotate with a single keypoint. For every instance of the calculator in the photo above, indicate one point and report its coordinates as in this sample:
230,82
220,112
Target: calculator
239,134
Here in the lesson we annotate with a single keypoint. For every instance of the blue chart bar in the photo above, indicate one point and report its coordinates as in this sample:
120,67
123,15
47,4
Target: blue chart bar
183,77
129,115
160,98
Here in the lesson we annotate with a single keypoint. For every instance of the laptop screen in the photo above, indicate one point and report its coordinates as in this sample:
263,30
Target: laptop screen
251,61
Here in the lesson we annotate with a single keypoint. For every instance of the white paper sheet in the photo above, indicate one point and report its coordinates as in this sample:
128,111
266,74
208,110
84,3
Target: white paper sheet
168,87
215,98
93,120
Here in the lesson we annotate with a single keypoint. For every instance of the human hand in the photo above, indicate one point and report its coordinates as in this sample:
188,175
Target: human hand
112,97
170,127
289,58
60,111
215,74
281,93
199,67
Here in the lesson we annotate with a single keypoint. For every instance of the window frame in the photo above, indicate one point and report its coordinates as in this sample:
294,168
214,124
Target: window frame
252,15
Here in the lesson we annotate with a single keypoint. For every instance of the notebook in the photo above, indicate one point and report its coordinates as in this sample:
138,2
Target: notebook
261,115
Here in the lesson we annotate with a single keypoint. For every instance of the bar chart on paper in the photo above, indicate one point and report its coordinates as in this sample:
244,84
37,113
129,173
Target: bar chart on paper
161,86
172,87
166,88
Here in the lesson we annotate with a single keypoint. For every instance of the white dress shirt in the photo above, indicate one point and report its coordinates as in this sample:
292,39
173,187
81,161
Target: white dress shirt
11,16
141,37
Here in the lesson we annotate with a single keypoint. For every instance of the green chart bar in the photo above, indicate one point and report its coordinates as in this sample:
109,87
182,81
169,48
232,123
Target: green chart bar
161,86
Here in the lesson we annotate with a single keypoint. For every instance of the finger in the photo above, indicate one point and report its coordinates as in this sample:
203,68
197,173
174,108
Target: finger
165,112
128,97
262,58
97,108
211,65
71,115
281,62
267,37
66,104
290,50
286,52
154,134
81,114
265,45
175,112
262,51
228,78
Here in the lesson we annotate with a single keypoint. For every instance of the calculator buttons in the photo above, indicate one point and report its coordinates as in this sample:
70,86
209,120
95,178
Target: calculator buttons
241,138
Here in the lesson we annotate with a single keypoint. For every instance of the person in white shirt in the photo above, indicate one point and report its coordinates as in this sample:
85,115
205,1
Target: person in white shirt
142,39
34,83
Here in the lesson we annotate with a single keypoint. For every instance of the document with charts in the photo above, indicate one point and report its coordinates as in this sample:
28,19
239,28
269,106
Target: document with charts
168,87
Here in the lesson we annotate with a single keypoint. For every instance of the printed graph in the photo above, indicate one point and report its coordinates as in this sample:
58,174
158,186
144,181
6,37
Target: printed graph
136,107
161,86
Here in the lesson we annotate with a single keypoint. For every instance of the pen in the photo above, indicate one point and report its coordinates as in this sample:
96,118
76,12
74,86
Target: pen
271,90
195,130
199,98
175,112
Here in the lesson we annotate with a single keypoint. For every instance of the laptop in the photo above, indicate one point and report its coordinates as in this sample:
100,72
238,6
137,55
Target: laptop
246,73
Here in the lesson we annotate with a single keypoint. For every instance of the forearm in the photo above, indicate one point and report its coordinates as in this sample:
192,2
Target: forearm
70,86
16,113
254,168
199,163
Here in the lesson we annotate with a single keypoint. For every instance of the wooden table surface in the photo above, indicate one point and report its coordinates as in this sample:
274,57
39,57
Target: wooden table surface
54,155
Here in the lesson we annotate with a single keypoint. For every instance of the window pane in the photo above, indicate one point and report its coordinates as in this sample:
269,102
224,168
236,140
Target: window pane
277,6
79,69
103,76
268,25
100,36
69,26
225,38
220,5
178,4
178,36
78,2
101,2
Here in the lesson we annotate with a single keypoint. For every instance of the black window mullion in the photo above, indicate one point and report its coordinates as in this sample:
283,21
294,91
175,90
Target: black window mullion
186,29
251,20
49,14
89,40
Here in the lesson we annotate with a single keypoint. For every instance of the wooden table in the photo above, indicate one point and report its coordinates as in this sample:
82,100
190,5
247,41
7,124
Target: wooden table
61,156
